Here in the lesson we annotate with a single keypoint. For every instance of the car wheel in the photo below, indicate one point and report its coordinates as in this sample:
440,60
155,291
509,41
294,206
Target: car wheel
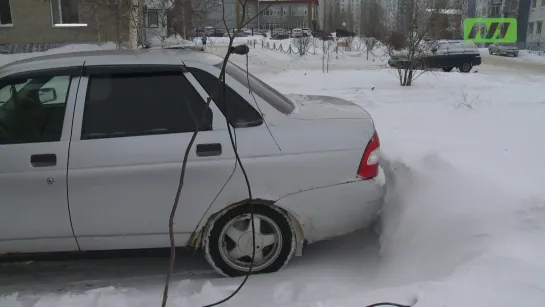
418,66
466,67
490,51
228,241
447,69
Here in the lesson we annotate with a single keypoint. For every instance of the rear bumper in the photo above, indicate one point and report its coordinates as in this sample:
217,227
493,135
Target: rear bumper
511,52
476,61
336,210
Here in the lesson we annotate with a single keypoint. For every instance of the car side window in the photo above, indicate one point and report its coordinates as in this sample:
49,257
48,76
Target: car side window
237,110
455,47
136,104
32,108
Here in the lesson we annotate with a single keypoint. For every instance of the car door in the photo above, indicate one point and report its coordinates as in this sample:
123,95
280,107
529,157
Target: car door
493,48
36,110
131,129
440,56
456,54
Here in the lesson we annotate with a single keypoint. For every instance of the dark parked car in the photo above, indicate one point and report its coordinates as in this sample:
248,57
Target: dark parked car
280,36
441,54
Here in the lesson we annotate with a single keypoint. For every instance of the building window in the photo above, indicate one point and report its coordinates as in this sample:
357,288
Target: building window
153,19
298,11
286,11
539,26
250,12
267,12
276,11
534,4
65,13
5,13
530,28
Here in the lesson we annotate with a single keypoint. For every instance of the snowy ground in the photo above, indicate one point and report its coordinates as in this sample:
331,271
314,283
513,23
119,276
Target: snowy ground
464,224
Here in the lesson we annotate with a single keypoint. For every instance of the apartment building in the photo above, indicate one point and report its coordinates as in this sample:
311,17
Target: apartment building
535,39
288,14
273,13
518,9
59,21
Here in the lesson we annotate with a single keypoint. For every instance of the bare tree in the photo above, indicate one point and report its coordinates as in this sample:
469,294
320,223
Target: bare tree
126,15
347,16
372,24
328,45
186,15
415,22
157,21
334,18
303,44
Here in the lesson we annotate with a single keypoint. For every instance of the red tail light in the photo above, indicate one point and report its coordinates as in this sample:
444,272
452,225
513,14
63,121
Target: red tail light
368,168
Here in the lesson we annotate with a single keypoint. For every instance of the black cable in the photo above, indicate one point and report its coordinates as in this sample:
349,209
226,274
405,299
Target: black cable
255,101
388,304
232,137
250,202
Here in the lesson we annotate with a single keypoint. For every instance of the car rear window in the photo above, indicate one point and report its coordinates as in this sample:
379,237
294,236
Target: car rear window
260,88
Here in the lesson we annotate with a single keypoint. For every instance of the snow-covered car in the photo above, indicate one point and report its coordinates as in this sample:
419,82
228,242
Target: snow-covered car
296,32
278,31
92,145
307,32
503,49
444,54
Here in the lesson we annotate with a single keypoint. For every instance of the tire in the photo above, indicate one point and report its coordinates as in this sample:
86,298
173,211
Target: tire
490,51
447,69
466,67
227,258
418,66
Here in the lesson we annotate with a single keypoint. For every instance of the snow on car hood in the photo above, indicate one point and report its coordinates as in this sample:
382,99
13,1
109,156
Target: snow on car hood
325,107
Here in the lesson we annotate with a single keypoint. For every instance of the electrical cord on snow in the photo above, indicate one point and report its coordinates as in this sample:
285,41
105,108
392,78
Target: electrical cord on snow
250,201
388,304
233,139
255,101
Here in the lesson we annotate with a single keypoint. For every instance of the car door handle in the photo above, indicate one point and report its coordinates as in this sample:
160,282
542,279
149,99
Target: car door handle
208,150
43,160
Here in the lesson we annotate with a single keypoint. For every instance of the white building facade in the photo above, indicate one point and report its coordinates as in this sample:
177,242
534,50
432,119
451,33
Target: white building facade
536,33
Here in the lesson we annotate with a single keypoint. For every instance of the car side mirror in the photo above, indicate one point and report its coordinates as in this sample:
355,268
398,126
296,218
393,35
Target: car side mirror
47,94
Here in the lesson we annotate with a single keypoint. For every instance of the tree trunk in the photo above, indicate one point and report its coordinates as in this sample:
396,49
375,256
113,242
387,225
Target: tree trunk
188,17
134,21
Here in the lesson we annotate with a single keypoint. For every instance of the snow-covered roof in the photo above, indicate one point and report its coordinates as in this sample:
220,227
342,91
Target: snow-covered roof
446,11
159,4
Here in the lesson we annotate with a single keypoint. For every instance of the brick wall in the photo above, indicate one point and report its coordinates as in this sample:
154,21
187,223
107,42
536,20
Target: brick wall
32,23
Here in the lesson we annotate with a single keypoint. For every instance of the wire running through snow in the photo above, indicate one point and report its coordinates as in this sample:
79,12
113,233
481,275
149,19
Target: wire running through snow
465,219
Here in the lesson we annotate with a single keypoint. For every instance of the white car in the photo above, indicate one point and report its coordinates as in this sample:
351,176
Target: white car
503,49
296,32
92,145
307,32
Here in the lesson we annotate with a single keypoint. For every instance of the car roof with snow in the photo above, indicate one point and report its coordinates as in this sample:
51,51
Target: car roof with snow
109,57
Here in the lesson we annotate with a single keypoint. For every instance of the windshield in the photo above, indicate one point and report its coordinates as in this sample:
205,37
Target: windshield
260,88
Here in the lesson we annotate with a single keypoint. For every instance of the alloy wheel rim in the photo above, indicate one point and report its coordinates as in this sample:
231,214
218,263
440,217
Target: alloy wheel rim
236,242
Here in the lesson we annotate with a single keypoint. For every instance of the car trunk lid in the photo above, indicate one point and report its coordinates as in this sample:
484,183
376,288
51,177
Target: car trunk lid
316,107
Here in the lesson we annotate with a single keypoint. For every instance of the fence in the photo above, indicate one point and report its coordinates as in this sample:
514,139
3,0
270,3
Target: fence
301,50
29,47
